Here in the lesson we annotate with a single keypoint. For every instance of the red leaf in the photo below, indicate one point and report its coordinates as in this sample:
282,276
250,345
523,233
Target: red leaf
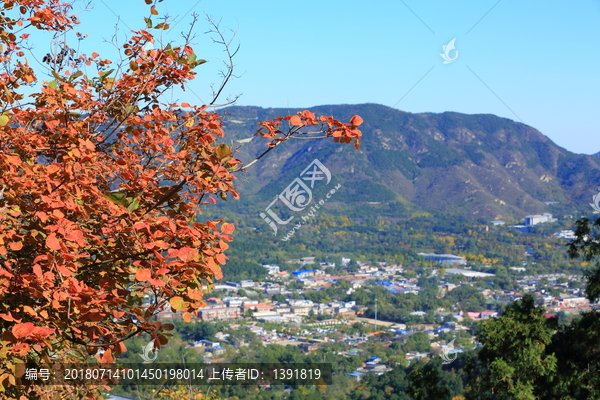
143,275
52,242
214,268
9,317
356,120
227,228
63,270
107,357
296,121
221,258
42,331
16,246
187,254
37,270
156,282
211,225
22,330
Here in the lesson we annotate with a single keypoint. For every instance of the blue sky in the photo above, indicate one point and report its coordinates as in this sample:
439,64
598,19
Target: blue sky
531,61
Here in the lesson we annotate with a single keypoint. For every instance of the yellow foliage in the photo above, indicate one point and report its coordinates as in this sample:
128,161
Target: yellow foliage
421,214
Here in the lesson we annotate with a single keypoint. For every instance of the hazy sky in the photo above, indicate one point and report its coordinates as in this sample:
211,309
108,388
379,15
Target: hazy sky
537,62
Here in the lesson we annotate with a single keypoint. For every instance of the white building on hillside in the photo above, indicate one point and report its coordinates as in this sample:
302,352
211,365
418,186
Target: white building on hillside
538,219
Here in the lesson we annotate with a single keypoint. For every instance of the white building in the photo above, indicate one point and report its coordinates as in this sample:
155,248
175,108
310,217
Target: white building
272,269
444,259
568,234
538,219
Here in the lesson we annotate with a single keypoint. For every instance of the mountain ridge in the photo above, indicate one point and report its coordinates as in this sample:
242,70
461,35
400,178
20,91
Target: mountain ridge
480,165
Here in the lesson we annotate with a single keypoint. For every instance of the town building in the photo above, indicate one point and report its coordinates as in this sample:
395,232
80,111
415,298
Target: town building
444,259
272,269
531,220
219,312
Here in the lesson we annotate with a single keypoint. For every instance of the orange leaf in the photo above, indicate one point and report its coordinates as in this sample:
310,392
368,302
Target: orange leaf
221,258
227,228
107,357
64,270
195,294
42,331
156,282
214,268
187,317
356,120
52,242
9,317
296,121
37,270
16,246
122,347
211,225
143,275
22,330
187,254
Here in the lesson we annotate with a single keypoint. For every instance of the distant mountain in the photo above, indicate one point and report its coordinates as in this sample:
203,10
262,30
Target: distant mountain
477,165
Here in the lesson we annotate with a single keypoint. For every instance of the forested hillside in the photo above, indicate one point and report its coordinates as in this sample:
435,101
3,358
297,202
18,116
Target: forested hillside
474,165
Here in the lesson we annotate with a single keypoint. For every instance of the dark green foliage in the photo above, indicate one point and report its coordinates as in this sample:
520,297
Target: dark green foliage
197,330
587,245
417,342
237,269
468,298
388,160
424,383
513,359
577,349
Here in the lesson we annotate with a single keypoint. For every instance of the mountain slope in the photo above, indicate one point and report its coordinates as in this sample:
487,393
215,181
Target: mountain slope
477,165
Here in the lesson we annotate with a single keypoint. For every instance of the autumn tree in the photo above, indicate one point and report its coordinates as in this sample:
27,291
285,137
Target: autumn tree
102,186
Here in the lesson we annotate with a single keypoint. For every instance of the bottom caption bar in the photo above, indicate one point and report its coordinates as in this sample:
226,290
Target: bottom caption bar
292,374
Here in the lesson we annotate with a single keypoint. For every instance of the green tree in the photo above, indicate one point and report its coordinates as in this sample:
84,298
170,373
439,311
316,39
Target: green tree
467,297
587,245
278,298
513,358
194,331
418,342
424,383
577,348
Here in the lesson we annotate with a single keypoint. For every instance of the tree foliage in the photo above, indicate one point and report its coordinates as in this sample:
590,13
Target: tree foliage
513,358
102,181
587,245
